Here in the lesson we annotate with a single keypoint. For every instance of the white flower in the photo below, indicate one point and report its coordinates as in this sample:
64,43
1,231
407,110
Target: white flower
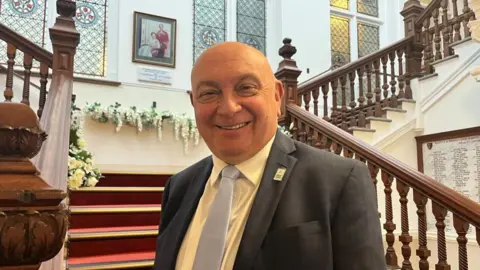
87,167
81,143
79,173
91,181
74,182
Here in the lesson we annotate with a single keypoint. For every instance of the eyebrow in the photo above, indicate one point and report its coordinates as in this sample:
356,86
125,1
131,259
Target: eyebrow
251,76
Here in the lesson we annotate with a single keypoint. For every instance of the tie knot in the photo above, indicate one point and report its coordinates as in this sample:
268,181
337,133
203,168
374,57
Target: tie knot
230,172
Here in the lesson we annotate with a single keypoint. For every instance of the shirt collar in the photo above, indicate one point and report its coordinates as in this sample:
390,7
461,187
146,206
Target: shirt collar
252,169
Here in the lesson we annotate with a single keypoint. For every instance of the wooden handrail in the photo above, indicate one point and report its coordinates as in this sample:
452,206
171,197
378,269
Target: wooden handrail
25,45
327,77
447,197
427,11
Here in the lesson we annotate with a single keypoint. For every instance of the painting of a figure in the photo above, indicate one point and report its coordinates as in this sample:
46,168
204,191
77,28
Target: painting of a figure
154,40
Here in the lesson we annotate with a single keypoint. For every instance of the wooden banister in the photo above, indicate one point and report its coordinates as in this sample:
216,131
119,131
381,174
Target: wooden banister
397,178
447,197
353,66
427,12
25,45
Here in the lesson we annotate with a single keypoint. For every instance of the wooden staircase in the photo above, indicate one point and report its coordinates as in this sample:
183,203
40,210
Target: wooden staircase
372,94
115,224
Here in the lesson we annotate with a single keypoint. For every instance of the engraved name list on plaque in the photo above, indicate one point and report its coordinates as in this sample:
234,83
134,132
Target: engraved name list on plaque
453,159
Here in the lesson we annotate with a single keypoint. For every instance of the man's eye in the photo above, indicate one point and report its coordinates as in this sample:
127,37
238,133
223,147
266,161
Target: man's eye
247,89
207,96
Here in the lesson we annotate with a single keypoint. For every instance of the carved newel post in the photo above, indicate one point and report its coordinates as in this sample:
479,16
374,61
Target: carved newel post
474,26
288,73
33,223
412,9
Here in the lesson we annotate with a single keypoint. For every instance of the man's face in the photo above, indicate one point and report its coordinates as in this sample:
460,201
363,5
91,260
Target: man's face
236,101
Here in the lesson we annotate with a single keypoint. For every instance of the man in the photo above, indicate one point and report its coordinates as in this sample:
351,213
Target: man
162,37
262,200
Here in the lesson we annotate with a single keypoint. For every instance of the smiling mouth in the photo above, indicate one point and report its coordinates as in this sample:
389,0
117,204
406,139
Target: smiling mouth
239,126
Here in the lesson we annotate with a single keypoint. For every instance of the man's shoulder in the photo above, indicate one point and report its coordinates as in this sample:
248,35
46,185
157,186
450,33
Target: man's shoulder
184,176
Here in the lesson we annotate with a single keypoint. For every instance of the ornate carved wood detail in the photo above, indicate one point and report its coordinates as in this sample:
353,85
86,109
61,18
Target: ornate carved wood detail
32,220
288,73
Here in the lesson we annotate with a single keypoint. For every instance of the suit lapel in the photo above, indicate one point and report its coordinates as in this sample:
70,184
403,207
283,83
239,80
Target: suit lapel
266,201
181,221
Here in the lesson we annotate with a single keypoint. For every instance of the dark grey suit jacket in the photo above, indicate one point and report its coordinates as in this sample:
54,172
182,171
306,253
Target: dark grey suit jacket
322,215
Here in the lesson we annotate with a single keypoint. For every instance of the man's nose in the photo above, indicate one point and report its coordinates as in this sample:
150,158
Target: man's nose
229,106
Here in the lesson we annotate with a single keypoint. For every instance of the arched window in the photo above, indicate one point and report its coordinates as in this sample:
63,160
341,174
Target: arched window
251,23
209,25
91,22
27,18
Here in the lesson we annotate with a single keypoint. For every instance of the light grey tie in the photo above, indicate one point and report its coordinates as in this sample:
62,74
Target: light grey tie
211,246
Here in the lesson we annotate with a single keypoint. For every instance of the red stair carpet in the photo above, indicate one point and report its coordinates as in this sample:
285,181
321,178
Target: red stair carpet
115,224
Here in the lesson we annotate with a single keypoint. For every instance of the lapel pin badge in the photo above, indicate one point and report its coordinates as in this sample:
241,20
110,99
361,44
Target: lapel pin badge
279,174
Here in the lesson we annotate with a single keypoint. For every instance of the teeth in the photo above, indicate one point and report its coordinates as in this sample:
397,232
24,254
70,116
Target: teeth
236,126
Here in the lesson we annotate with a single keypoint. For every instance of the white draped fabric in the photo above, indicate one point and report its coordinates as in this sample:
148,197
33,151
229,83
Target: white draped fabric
52,160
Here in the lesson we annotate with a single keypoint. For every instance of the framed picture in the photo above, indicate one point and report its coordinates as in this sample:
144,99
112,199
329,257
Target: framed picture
154,40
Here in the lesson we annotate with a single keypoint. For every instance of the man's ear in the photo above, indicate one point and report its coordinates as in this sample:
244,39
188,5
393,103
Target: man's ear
191,97
279,92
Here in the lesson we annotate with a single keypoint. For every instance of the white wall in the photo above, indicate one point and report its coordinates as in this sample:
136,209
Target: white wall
129,151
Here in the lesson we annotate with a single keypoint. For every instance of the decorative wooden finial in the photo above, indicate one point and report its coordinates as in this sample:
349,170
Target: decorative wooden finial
287,50
66,8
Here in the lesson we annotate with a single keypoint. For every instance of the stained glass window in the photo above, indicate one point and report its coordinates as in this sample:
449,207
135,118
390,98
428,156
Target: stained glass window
343,4
91,23
368,7
368,38
340,40
425,2
209,25
251,23
26,17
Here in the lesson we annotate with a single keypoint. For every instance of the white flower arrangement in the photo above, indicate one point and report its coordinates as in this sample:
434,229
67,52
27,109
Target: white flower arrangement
81,171
184,126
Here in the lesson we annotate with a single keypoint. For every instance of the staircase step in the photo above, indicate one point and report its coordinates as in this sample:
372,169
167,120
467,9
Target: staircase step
380,119
365,134
388,109
105,241
444,59
92,216
116,195
133,180
135,260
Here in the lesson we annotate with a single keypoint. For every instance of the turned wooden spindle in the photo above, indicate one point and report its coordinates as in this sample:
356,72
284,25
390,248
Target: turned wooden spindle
437,39
43,88
27,65
385,81
378,98
440,213
11,52
423,252
315,95
393,80
405,236
461,226
325,89
389,226
373,170
401,76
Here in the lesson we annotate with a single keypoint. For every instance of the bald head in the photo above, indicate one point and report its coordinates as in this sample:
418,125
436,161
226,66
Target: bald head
236,99
229,51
